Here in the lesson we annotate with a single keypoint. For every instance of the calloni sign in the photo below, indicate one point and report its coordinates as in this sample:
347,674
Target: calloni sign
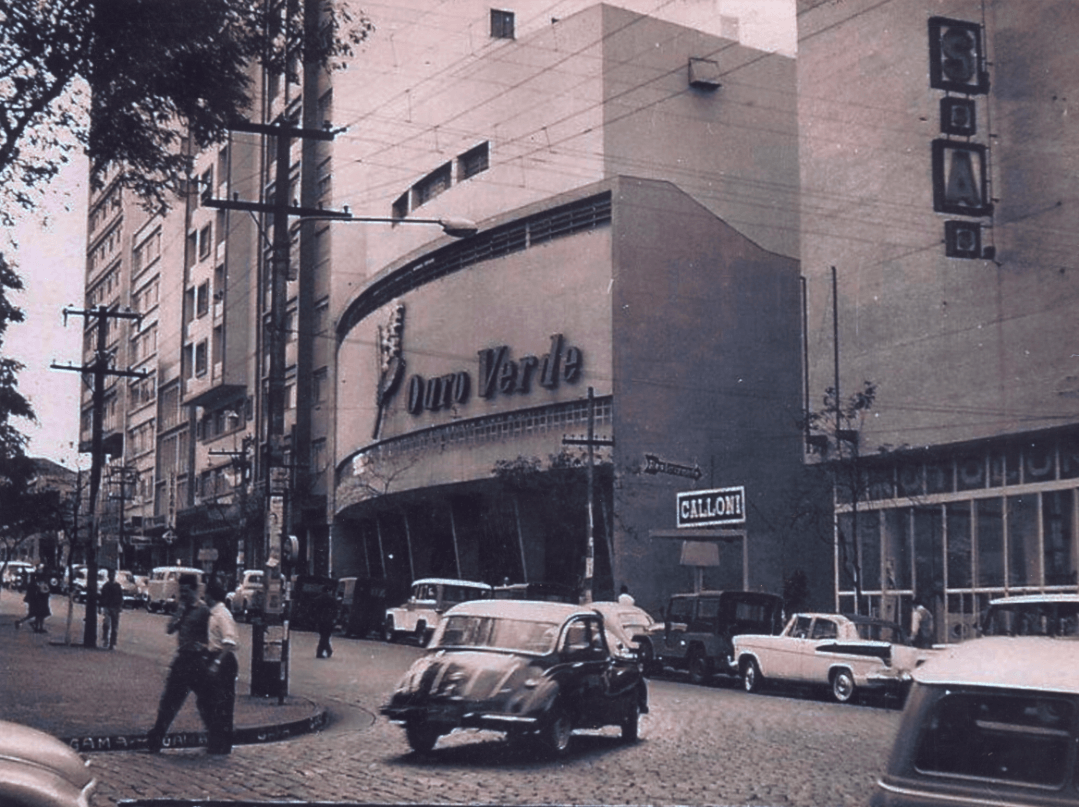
711,508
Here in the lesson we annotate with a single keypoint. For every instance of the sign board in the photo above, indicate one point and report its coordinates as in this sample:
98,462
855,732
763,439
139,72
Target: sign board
711,508
654,465
208,554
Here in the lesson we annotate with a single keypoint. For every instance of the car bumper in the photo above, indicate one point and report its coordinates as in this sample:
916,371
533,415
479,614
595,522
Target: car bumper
460,716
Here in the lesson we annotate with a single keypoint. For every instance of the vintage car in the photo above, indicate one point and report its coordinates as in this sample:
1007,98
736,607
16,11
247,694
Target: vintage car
16,573
430,597
697,630
246,599
130,588
993,721
842,652
530,669
38,770
628,624
163,590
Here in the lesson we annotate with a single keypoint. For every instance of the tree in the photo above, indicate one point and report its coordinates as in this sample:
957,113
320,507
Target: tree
128,79
838,426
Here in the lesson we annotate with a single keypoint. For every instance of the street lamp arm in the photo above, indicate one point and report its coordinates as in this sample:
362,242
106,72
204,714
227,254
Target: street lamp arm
451,225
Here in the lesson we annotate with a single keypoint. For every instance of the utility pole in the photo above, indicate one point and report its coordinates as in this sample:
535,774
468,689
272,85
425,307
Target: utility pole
241,463
267,652
591,442
100,369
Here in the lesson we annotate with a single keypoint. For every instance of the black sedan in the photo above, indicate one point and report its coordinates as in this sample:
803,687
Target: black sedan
531,669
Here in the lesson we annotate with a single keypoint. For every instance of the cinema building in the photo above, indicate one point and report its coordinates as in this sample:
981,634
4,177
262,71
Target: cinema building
938,158
633,279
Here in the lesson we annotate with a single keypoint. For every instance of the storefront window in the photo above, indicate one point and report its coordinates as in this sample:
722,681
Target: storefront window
959,545
1004,467
1023,541
938,477
897,548
990,527
846,552
869,532
1060,567
928,559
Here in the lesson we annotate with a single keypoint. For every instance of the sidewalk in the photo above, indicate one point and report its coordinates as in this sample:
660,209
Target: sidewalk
99,700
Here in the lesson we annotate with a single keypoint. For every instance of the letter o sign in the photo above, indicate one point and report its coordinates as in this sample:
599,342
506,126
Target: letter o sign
416,387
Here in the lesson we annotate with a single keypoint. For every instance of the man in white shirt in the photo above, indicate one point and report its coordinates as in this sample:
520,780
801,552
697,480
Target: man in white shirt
624,597
220,670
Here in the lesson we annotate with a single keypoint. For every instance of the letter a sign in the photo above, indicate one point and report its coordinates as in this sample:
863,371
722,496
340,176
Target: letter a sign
959,184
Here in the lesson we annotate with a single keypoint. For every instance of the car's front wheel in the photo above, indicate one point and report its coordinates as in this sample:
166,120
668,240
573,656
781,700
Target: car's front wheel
751,676
421,735
842,685
630,723
556,732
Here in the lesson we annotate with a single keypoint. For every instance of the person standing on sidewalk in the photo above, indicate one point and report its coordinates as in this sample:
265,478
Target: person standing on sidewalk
325,607
110,602
187,673
220,671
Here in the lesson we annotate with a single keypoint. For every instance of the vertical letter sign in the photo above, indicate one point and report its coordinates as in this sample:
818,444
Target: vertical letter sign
955,57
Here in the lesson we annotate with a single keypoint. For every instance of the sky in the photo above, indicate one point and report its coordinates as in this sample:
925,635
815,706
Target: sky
49,248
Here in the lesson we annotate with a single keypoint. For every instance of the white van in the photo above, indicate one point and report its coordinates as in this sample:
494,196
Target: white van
430,598
163,589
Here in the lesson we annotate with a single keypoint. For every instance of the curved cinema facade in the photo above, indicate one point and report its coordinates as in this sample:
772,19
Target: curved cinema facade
467,378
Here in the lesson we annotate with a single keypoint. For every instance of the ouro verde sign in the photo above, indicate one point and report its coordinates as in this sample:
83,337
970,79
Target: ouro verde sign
712,508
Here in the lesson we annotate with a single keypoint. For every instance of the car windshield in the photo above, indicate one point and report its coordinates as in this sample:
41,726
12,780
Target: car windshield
496,633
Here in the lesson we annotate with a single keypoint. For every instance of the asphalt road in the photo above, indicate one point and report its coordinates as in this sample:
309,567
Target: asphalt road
699,745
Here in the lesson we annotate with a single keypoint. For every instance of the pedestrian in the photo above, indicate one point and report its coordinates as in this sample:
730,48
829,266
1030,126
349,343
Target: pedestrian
921,626
624,597
30,598
325,607
221,670
187,673
37,603
110,601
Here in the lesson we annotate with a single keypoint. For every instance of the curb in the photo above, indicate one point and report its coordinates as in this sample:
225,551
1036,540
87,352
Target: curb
247,735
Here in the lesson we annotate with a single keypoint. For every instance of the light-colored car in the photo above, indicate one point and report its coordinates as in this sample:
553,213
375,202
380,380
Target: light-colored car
163,590
430,598
844,653
540,669
629,625
81,582
246,599
993,721
130,587
37,770
16,572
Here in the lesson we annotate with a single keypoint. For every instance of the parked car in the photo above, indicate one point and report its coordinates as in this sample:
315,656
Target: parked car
430,598
38,770
163,590
15,574
81,582
361,603
630,625
142,581
697,629
305,588
530,669
246,599
992,721
1033,615
844,653
130,588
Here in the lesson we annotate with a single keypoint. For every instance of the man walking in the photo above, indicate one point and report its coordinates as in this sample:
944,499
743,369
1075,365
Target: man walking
187,673
110,602
221,671
325,607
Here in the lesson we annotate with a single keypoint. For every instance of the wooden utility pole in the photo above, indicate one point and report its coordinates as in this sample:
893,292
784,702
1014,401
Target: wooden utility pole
100,369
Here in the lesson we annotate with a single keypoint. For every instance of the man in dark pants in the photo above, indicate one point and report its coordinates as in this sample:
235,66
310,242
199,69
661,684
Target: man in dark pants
221,671
187,673
110,602
325,607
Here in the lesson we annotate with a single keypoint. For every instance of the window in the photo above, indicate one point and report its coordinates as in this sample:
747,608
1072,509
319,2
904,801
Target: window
206,183
219,281
318,455
192,248
203,302
189,305
400,207
473,161
431,185
501,24
221,229
222,164
319,385
205,241
325,179
219,344
200,358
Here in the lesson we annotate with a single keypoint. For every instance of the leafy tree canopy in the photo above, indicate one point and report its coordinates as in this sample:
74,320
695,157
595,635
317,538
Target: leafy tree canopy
12,402
126,77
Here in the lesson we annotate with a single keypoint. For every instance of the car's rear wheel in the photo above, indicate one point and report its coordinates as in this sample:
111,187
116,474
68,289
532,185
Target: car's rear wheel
751,676
556,732
630,723
421,735
842,685
700,666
